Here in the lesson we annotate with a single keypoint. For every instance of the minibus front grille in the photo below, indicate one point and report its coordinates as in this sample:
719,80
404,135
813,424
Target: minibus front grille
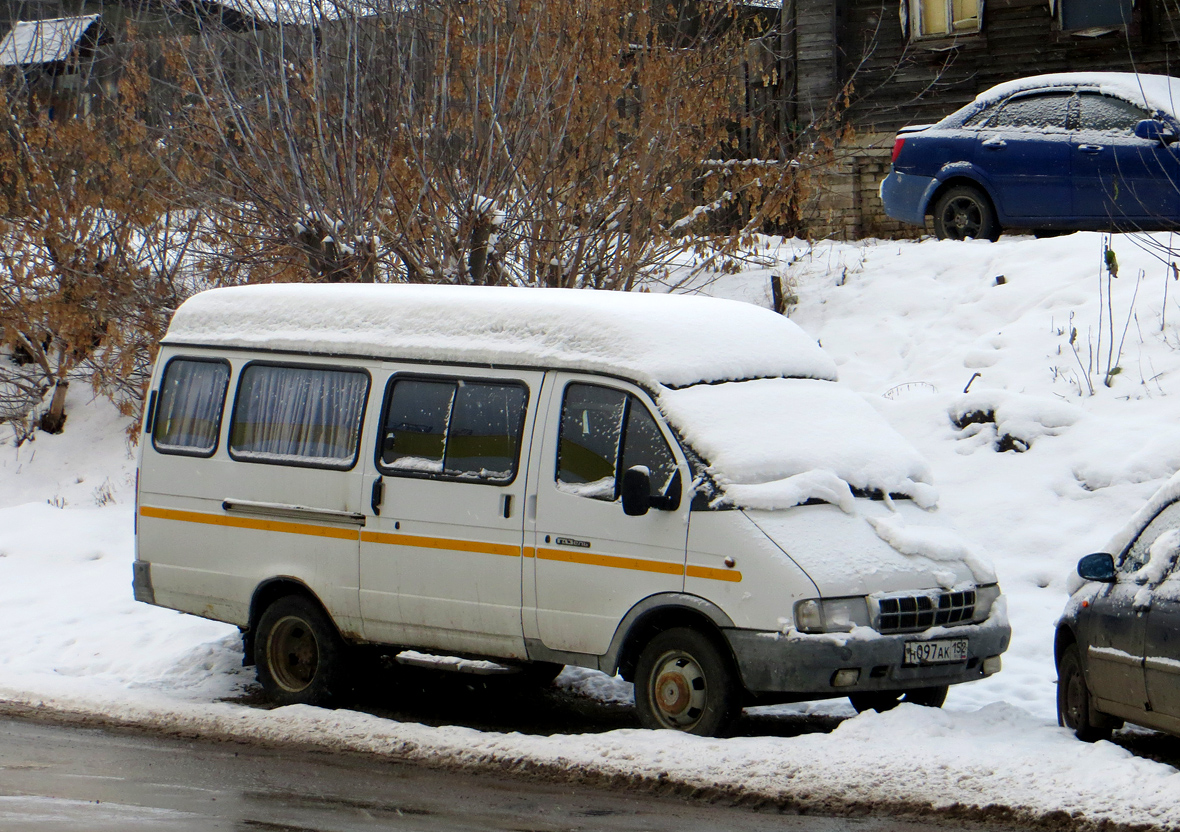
904,613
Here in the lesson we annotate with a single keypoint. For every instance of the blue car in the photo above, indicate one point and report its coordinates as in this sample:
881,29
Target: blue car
1065,152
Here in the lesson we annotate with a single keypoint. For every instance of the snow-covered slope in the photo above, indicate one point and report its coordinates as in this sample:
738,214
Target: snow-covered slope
910,325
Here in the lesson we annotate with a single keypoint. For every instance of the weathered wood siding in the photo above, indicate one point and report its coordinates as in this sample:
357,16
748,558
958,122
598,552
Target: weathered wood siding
817,64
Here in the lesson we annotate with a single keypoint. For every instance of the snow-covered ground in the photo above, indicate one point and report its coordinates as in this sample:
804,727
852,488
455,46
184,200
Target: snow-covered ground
910,325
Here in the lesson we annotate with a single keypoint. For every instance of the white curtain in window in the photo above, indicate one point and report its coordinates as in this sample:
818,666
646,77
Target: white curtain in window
299,414
190,405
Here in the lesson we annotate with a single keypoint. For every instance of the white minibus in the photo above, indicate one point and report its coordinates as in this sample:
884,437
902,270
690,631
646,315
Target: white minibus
672,488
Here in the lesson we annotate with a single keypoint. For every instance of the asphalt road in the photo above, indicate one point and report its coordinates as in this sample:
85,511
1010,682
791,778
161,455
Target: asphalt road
92,780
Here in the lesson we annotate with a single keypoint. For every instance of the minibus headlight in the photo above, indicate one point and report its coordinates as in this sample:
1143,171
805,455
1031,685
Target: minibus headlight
831,615
985,596
808,618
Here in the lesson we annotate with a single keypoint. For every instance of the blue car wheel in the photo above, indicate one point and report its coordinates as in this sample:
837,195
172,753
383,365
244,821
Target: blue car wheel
962,212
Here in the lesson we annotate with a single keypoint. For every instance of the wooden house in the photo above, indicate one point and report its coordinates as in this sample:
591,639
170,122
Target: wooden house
914,61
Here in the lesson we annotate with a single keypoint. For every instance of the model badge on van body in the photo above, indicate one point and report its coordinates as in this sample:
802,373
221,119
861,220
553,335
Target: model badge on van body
371,499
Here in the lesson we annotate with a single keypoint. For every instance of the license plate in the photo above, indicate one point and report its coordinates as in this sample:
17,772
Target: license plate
947,651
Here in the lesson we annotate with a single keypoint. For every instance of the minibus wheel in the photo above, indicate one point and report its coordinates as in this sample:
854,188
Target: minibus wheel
684,682
541,673
298,653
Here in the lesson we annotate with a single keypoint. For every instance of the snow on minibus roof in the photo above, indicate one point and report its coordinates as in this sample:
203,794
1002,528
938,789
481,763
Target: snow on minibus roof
673,340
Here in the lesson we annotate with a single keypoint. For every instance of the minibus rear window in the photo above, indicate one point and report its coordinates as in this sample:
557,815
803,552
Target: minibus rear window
188,417
308,416
456,428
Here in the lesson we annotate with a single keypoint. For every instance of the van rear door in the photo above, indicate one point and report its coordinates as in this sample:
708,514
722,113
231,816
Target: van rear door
273,488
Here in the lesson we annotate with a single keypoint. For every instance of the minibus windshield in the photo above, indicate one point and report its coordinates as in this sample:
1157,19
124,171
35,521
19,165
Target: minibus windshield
778,442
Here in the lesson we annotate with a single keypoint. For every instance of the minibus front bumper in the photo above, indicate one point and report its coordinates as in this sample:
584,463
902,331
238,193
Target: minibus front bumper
838,664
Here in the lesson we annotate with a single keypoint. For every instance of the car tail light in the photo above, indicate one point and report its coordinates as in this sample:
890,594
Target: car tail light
898,144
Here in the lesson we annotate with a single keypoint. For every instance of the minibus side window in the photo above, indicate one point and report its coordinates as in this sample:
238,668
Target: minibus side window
469,430
595,423
484,436
415,435
588,446
307,416
188,417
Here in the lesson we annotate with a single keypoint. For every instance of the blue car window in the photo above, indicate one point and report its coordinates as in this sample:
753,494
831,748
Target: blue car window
1109,115
978,119
1040,112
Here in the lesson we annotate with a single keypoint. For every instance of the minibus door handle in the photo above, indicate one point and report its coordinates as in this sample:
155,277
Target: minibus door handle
378,495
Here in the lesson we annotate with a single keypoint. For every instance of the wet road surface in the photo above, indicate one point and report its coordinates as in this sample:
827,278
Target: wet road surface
91,780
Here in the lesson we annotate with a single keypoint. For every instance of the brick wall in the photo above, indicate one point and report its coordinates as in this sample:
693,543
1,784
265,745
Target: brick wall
845,204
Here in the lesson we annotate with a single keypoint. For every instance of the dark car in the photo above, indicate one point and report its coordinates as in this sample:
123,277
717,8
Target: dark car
1118,642
1066,152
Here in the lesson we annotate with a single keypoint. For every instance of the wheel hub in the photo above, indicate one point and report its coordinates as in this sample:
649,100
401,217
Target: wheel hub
672,693
294,653
965,218
679,690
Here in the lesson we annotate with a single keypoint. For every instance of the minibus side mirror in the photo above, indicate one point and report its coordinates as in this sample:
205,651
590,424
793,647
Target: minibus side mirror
636,491
1097,567
670,500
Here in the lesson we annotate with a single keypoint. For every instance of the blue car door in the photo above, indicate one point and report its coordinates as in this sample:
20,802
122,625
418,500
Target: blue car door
1024,151
1118,178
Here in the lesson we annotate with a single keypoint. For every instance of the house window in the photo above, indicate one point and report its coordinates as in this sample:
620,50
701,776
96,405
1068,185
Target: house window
1094,14
946,18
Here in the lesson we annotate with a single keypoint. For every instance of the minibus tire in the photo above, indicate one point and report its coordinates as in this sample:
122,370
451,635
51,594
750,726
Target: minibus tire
882,701
296,627
541,673
684,682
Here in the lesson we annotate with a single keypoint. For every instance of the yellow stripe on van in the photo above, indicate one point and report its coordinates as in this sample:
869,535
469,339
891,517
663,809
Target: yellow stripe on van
709,573
442,543
480,547
613,561
283,526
